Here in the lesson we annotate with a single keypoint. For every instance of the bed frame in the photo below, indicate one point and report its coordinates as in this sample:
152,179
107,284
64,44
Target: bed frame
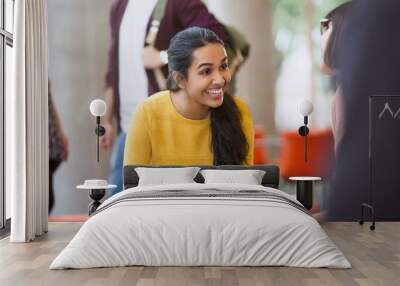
270,179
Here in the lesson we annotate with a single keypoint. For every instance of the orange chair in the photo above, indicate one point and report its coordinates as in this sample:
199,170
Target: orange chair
319,159
260,149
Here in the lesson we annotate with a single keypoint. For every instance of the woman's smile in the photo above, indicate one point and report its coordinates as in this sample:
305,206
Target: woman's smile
215,93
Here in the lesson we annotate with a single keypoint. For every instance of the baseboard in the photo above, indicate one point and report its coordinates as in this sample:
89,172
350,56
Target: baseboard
68,218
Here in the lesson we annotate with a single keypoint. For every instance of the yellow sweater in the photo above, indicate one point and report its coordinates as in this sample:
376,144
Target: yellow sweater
159,135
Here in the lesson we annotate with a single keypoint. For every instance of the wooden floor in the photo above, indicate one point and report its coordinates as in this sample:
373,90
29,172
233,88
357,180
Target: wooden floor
375,257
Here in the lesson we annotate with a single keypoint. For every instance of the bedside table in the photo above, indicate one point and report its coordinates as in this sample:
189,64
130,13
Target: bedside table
96,194
304,190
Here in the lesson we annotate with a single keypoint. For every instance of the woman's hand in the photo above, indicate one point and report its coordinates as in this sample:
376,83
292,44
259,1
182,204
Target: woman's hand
106,140
65,143
151,58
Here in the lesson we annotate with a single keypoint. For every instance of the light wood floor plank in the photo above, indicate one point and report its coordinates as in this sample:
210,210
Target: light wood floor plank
375,257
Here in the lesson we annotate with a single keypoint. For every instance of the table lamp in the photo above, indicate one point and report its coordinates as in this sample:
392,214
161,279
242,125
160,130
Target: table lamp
98,108
305,108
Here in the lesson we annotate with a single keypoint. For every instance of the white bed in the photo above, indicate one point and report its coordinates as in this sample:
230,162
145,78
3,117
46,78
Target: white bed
250,225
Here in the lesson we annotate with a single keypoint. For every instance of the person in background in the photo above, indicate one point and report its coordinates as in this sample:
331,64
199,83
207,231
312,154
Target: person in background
194,122
58,145
369,65
130,77
331,35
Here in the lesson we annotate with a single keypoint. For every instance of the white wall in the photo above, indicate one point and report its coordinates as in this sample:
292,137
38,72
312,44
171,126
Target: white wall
78,33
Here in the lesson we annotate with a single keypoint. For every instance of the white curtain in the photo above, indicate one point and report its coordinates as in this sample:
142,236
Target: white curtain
27,123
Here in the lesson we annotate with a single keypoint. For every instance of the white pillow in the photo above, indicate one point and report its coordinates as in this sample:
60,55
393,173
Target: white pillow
248,177
163,176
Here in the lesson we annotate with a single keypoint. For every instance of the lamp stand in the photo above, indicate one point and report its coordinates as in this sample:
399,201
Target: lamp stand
100,131
303,131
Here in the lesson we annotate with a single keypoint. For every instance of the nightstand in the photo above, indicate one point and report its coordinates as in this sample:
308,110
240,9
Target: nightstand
96,193
304,190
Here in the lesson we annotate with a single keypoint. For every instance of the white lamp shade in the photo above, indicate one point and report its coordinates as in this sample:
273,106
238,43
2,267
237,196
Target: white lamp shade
98,107
306,107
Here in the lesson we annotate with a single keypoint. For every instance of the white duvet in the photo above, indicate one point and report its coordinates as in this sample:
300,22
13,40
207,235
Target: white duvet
183,231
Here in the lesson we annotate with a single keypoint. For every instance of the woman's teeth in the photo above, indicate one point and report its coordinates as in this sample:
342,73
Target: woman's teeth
215,92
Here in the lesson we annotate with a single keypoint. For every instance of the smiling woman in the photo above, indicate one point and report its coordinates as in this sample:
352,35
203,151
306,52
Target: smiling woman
195,121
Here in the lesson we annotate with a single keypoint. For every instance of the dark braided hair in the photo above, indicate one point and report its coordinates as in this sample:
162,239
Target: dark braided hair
228,142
